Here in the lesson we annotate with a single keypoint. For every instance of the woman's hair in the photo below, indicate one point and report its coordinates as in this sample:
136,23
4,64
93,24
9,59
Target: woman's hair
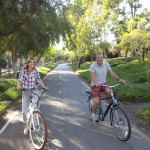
28,61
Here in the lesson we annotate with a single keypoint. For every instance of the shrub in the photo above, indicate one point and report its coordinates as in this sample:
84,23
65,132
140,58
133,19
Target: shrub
12,93
8,76
2,107
4,96
144,113
3,63
7,83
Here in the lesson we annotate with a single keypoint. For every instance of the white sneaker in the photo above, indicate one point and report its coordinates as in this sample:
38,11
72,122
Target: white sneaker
94,117
26,131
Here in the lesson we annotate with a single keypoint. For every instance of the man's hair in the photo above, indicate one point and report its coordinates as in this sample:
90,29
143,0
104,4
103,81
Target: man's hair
99,53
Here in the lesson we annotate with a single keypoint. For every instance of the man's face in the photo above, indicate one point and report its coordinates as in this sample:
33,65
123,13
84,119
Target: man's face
99,59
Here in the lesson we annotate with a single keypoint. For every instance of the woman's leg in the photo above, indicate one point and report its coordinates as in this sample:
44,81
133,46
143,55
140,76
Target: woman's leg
25,104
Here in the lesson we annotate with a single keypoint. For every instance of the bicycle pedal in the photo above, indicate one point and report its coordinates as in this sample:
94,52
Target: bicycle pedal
96,122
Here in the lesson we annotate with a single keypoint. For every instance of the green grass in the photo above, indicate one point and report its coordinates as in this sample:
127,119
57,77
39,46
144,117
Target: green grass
144,113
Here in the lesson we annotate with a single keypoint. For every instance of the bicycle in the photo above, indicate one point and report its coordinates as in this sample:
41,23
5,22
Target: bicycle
36,122
118,117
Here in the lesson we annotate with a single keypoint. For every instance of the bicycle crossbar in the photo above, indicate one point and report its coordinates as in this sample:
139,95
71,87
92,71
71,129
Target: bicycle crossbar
105,98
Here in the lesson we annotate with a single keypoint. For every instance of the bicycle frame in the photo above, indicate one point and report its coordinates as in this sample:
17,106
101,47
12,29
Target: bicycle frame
33,106
113,100
118,117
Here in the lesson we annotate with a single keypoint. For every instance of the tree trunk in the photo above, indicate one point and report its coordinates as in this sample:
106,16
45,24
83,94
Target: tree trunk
143,52
84,59
9,62
14,59
105,53
148,70
126,52
0,72
91,58
21,61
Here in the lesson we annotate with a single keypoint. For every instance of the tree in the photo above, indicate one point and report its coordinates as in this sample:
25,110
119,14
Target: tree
34,26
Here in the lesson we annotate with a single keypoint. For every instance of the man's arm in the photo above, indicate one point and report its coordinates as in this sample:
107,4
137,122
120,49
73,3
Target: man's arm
92,74
115,76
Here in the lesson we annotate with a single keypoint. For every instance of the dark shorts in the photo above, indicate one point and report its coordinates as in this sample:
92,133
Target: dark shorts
96,90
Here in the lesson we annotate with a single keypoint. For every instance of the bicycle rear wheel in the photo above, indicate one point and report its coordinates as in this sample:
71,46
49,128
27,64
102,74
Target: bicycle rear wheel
38,131
121,123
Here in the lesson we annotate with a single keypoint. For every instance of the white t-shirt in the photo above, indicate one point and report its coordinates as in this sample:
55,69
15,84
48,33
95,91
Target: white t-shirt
100,72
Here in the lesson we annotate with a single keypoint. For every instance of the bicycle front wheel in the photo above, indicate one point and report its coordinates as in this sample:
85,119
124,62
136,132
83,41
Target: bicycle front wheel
121,123
38,131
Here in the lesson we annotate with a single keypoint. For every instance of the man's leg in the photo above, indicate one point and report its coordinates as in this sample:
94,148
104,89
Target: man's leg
95,105
108,93
96,95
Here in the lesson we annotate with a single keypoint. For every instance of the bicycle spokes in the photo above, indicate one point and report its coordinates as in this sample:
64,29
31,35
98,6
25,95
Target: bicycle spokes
38,134
121,124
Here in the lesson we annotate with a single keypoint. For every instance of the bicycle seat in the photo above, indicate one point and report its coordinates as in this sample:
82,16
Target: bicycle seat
88,92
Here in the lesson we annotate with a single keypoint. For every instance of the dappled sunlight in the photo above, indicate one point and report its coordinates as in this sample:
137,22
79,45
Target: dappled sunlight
57,143
57,104
62,72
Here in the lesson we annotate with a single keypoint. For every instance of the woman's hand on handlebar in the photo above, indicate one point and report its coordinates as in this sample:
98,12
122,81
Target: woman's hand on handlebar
45,88
18,88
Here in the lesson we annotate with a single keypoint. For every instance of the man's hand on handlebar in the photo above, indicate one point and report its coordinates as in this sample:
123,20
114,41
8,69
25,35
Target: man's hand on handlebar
97,84
122,81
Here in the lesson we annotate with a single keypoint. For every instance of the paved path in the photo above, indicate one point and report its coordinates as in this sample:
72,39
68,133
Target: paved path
69,124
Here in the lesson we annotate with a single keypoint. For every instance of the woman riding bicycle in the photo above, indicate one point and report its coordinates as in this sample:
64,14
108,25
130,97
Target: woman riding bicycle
28,78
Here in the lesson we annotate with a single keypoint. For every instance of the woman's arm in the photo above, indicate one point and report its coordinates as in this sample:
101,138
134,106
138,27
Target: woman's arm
19,86
41,84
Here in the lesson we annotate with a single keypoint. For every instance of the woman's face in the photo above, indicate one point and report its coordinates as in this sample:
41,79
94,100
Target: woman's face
31,64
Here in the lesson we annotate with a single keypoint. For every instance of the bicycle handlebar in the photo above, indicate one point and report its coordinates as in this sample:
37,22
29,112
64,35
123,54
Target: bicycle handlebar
31,90
120,83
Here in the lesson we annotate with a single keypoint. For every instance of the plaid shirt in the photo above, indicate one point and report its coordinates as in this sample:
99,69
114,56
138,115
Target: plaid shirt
29,81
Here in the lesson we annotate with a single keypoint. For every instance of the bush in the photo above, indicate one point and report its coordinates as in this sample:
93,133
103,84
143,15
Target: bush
4,96
8,76
144,113
12,93
3,63
51,66
2,107
7,83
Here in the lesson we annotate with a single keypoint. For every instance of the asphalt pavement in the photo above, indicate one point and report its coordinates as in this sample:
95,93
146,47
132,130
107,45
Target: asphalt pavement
68,120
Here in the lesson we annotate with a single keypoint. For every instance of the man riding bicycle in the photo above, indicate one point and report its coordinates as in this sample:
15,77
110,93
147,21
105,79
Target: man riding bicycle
98,73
